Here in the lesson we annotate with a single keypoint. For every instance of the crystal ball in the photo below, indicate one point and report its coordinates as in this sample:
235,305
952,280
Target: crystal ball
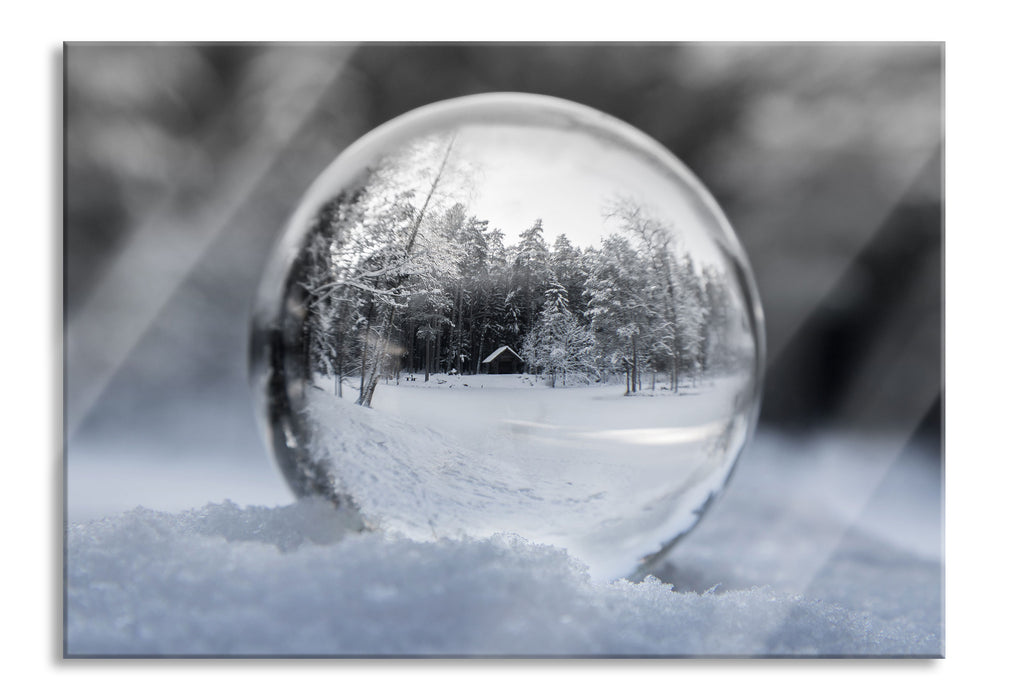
510,313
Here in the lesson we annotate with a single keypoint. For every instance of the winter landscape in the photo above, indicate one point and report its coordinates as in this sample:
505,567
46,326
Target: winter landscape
181,537
591,393
609,481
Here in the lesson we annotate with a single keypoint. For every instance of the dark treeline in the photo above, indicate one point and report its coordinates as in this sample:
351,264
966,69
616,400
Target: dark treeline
404,279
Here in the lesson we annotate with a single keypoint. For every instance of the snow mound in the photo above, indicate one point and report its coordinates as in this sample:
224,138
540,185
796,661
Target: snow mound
296,580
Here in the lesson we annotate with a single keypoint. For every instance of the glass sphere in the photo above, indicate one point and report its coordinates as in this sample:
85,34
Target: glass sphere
510,313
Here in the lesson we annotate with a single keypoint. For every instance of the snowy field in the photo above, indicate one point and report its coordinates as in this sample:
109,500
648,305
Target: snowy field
609,478
831,545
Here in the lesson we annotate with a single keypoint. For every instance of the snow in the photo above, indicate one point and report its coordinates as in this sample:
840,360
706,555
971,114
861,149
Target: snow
490,358
826,545
609,478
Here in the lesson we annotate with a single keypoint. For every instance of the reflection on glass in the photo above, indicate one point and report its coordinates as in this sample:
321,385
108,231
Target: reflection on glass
511,314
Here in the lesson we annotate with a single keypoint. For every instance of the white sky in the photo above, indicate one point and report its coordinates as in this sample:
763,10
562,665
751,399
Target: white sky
526,174
566,179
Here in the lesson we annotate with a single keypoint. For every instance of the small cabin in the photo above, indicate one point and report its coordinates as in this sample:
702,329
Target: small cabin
504,360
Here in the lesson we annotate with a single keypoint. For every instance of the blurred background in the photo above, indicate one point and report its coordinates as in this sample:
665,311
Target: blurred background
184,161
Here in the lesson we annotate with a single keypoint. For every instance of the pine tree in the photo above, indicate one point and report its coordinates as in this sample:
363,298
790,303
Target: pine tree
531,270
557,344
618,307
567,266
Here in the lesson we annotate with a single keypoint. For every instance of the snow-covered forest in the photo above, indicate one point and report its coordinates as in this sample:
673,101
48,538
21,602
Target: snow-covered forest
401,276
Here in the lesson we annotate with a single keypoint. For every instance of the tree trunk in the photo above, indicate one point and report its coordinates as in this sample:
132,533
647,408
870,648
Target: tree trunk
437,353
339,364
364,352
378,357
427,359
471,335
369,387
479,355
634,363
457,363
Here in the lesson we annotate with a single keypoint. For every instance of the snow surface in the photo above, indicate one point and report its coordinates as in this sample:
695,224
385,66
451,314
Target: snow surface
830,545
607,477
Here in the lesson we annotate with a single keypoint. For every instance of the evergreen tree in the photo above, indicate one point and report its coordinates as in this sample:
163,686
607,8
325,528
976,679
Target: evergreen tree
531,270
557,344
618,308
397,275
567,266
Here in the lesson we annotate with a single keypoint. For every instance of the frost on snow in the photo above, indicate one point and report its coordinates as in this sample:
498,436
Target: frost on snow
299,579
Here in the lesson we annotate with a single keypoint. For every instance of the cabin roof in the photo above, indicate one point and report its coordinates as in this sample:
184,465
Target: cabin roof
493,355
